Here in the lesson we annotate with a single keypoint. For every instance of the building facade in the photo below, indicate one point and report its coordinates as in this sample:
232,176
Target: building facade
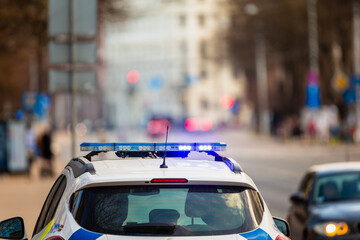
173,51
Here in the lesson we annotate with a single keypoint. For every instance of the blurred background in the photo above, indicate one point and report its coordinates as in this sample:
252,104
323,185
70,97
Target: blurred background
277,80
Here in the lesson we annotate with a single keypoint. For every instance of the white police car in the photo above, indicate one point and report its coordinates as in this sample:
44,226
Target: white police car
152,191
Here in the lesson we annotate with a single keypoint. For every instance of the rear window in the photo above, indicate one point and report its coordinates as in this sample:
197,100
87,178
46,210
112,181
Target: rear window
337,187
167,210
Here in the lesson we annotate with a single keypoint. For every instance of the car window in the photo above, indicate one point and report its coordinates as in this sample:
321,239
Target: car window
337,187
169,210
50,205
55,202
306,184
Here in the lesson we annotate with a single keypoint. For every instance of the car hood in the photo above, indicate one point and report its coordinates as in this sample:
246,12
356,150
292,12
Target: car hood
338,211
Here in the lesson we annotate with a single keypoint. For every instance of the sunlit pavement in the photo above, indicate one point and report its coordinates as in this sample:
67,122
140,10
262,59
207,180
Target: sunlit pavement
275,166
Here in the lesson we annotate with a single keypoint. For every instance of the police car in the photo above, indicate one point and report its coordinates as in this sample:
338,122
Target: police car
162,191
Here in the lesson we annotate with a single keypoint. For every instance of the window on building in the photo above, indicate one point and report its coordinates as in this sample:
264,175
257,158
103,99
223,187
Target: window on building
204,104
236,72
201,20
183,47
182,20
203,74
203,49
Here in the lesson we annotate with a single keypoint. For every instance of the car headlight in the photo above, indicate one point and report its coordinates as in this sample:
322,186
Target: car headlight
332,229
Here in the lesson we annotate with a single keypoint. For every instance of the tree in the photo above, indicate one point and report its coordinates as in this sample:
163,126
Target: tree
284,26
23,46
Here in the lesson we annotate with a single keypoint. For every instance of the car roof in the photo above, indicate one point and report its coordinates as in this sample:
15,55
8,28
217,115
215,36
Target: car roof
336,167
143,170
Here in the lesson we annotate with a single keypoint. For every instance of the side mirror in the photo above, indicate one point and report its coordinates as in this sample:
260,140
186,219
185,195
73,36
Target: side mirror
12,228
298,198
282,225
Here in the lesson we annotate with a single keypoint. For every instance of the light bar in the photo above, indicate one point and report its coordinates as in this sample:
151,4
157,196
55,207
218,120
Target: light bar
97,147
135,147
203,147
151,147
175,147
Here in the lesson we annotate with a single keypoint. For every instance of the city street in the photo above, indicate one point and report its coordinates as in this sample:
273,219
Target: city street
129,71
276,167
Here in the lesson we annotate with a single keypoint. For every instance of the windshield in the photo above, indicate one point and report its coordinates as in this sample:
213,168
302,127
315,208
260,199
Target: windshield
337,187
167,210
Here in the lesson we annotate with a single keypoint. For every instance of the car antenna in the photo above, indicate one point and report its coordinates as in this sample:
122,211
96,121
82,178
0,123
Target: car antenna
163,165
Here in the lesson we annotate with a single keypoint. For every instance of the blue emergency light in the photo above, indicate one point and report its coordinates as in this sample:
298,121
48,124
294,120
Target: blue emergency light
152,147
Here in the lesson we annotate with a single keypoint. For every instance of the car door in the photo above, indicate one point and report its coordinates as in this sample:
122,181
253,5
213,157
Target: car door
299,210
49,208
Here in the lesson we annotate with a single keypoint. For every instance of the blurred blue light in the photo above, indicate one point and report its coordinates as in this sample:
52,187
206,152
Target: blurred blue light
156,83
20,114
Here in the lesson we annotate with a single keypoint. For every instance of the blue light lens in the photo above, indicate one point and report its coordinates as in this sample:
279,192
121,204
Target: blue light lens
185,148
132,147
205,148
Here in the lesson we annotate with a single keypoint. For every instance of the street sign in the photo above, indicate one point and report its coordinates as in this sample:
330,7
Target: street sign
312,90
28,101
312,78
313,96
36,103
355,80
340,82
349,96
42,105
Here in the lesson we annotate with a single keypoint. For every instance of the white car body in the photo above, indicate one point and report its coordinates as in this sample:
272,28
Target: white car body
81,174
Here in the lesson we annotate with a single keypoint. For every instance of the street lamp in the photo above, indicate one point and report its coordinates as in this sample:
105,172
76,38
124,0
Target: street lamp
261,72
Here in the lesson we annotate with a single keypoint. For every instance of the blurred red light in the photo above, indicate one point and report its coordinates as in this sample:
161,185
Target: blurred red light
154,127
158,126
227,101
169,180
191,124
133,76
164,123
206,124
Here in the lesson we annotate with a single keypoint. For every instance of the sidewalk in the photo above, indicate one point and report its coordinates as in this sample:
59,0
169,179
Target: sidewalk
23,195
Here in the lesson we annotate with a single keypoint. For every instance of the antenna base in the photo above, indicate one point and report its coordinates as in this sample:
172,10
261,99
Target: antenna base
163,165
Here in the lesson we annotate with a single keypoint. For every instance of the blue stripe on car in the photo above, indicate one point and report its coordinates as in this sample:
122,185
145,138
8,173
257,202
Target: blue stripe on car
257,234
83,234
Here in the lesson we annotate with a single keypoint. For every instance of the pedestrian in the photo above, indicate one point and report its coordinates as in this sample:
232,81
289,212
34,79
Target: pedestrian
47,154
